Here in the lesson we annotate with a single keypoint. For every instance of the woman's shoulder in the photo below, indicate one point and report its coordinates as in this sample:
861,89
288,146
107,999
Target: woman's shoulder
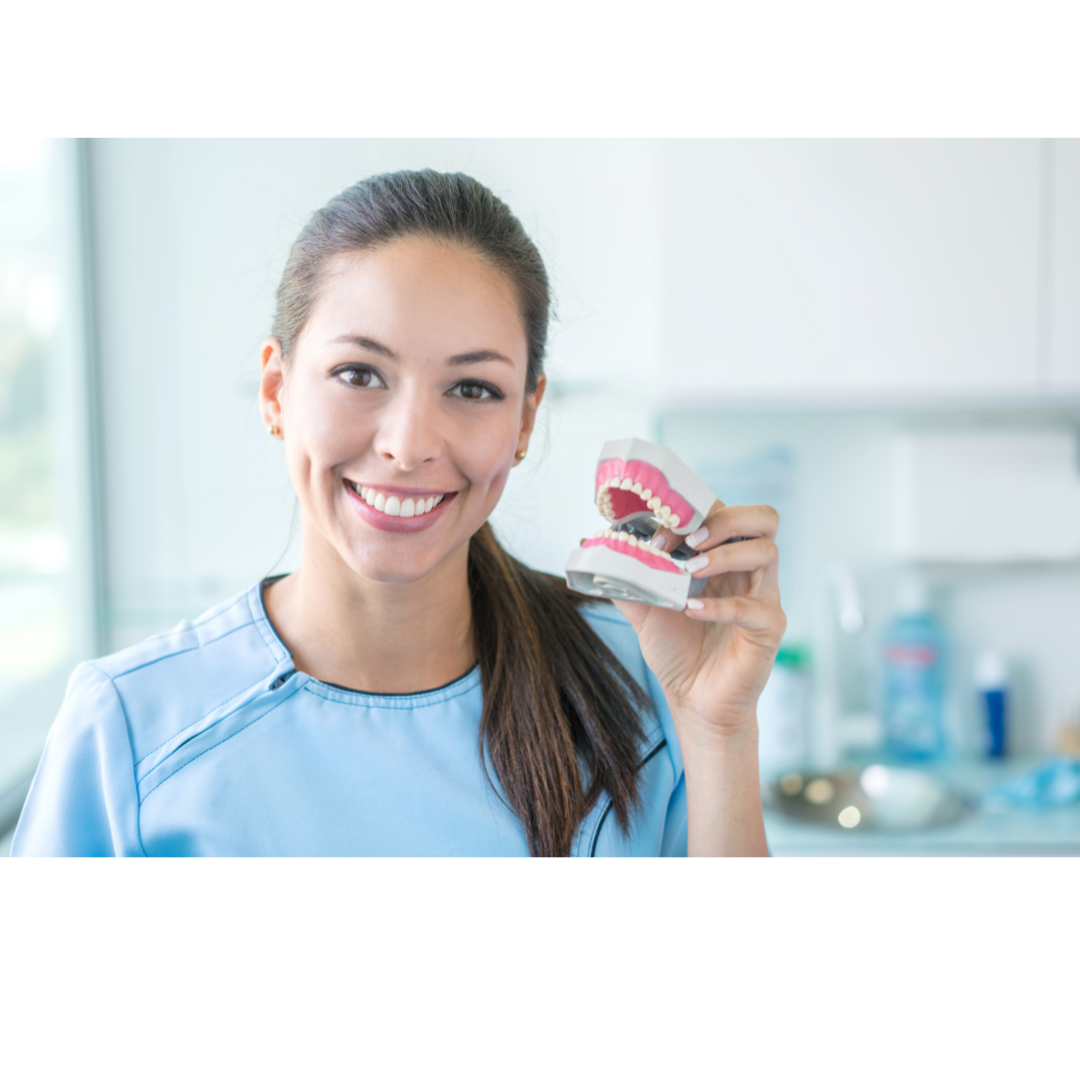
171,680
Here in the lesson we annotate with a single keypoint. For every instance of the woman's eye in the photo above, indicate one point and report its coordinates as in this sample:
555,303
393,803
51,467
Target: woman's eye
476,391
363,377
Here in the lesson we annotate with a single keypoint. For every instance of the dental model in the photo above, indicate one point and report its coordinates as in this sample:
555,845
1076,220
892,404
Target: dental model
639,488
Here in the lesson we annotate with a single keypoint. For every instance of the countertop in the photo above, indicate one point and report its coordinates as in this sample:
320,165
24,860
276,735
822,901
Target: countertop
1012,832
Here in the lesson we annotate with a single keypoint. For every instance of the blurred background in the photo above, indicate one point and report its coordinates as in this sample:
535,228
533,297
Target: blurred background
879,338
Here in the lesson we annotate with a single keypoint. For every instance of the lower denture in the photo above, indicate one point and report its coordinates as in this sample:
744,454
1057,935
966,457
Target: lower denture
643,555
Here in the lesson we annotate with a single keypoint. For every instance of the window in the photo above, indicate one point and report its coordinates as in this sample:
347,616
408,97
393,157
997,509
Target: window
46,473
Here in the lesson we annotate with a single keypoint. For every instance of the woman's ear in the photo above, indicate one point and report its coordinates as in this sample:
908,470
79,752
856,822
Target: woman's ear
271,386
528,413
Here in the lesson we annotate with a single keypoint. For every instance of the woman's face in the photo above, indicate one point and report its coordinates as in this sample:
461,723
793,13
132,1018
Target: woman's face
403,405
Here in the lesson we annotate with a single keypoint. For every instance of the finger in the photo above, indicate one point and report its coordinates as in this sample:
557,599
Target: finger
753,615
746,555
664,540
729,521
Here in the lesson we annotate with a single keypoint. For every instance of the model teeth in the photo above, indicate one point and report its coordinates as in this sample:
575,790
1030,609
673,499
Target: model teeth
625,483
393,506
632,541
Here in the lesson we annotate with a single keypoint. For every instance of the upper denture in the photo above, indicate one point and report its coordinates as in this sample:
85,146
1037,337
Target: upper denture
628,487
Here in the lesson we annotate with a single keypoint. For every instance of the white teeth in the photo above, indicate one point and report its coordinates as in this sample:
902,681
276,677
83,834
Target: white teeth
653,503
665,511
636,489
398,507
626,485
646,495
673,521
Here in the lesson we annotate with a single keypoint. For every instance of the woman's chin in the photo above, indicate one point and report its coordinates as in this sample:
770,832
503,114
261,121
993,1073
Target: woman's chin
394,567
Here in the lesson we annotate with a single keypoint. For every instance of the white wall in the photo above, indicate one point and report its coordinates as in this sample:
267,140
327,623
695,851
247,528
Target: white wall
1063,262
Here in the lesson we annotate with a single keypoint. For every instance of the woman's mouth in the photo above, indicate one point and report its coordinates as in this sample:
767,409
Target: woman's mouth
397,509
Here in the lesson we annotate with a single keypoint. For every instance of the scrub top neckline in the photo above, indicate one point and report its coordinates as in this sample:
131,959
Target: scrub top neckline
471,675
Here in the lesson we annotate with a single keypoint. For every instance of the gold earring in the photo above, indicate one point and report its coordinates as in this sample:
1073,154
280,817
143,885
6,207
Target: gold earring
274,430
520,455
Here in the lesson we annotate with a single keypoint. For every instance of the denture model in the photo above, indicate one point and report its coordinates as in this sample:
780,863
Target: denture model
639,488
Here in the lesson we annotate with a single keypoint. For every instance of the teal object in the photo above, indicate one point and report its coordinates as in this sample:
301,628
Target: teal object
1053,784
207,741
913,687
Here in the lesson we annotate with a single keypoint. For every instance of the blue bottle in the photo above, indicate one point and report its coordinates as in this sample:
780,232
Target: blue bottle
913,679
992,686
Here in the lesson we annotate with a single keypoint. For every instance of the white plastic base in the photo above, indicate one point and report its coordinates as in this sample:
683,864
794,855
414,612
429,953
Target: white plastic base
599,571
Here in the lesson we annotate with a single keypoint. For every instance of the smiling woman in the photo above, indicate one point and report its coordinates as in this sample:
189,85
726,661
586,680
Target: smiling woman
413,689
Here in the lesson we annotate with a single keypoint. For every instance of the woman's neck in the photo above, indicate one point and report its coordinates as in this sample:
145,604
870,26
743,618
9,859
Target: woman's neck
379,637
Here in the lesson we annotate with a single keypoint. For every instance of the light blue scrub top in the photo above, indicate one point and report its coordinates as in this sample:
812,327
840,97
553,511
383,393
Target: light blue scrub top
206,741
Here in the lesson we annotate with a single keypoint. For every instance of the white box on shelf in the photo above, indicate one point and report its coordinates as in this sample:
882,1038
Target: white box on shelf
987,497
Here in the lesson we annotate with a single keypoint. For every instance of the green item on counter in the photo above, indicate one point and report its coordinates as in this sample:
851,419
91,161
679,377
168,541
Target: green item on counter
796,657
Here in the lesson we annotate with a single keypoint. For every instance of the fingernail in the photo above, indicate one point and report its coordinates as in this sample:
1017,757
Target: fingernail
695,605
693,565
698,537
659,542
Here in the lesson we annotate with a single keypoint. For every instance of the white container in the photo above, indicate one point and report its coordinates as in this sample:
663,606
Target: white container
784,713
988,497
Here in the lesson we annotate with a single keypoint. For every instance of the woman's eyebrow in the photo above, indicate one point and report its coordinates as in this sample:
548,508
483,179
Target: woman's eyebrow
478,357
364,343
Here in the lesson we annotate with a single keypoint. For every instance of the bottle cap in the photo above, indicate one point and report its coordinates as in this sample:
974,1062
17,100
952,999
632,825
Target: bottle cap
991,671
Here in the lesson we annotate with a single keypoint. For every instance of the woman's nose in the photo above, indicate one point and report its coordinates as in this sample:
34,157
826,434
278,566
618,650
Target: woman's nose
409,432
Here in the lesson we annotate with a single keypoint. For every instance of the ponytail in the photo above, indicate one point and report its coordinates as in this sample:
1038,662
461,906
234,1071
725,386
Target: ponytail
561,714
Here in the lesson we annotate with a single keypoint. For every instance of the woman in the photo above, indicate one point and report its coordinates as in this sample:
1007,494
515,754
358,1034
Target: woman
412,689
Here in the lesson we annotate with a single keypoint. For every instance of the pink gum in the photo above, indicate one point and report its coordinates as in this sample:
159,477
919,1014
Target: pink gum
649,477
654,561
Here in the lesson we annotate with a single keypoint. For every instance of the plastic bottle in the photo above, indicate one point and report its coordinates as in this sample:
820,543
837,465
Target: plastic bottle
784,712
992,686
913,678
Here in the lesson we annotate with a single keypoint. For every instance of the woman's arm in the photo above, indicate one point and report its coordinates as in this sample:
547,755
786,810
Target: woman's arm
713,661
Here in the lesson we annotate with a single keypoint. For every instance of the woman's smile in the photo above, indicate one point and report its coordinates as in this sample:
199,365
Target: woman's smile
398,509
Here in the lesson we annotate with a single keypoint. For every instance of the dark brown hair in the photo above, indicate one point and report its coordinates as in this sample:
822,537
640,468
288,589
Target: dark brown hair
561,716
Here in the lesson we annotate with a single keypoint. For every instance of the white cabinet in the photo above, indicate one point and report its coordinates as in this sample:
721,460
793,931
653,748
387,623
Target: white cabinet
861,265
1064,264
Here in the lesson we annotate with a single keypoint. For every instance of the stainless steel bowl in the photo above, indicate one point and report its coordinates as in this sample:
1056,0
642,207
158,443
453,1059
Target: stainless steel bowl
879,798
